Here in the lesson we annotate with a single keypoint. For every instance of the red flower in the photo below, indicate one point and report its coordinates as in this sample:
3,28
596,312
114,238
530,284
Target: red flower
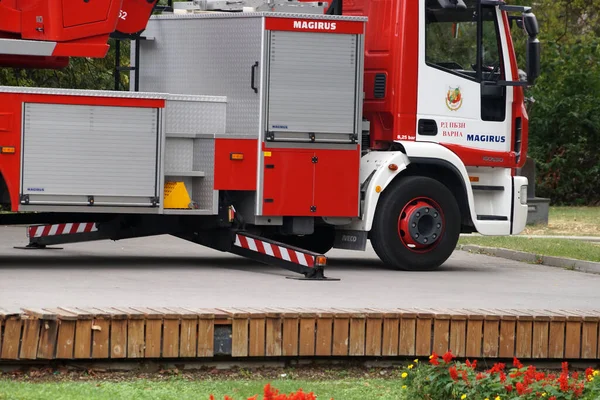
578,389
575,375
539,376
211,397
522,389
448,357
502,377
517,363
498,367
453,373
470,364
589,372
530,372
433,359
464,376
552,398
563,380
509,388
480,376
565,367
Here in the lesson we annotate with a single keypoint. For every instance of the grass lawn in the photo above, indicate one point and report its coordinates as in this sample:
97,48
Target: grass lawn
180,389
562,221
574,221
587,251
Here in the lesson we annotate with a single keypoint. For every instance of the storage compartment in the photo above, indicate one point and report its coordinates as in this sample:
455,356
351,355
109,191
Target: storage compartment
293,84
306,182
312,85
288,187
90,155
287,77
192,122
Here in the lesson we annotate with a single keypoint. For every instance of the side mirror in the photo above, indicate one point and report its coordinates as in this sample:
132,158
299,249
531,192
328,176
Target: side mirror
533,60
531,24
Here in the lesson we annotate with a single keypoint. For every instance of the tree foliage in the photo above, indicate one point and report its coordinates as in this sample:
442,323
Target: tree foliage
565,117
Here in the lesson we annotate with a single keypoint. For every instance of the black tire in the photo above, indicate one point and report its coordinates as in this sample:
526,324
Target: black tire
386,236
321,241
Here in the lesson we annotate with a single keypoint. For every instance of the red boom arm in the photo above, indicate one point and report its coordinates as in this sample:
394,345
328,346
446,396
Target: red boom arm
45,33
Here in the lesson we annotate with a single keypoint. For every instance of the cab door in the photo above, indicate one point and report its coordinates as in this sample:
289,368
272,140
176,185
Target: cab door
463,61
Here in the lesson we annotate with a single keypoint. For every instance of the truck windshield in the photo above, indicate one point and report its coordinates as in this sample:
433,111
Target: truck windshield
451,40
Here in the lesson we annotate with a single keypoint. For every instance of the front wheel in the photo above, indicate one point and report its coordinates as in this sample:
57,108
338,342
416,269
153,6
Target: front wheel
416,225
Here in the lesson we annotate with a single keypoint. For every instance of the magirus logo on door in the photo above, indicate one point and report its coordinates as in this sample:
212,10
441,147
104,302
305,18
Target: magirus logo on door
454,99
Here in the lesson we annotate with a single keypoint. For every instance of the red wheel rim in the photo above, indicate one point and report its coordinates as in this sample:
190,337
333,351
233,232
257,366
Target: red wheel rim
421,225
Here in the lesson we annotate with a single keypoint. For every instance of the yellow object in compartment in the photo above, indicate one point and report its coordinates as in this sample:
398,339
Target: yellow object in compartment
176,195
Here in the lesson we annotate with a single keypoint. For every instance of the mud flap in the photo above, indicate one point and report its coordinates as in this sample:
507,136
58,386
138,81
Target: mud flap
351,240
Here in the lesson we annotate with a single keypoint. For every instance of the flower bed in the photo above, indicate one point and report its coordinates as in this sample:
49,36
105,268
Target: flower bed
271,393
445,378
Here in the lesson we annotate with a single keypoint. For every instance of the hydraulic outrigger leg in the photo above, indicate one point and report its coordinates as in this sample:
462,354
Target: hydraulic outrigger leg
294,259
254,247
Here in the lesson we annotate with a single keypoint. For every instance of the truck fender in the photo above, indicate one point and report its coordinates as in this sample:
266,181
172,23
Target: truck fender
436,154
376,175
377,170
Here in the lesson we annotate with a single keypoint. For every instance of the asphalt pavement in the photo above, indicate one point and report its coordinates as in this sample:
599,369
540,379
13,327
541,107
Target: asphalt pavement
165,271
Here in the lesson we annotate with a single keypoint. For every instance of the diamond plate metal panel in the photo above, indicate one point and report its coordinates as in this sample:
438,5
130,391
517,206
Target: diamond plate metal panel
301,97
89,150
197,117
207,56
179,155
204,160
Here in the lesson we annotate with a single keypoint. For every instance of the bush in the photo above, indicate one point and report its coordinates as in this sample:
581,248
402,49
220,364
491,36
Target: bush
444,378
565,123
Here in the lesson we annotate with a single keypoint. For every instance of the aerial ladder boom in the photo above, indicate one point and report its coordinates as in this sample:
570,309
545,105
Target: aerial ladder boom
45,33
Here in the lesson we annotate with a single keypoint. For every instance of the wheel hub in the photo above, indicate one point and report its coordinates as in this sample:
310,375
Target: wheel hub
421,224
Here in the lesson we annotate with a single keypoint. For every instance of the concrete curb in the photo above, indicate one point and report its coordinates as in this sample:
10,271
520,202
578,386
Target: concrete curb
580,238
557,262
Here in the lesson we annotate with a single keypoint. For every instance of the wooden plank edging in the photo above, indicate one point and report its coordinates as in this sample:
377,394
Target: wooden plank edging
174,332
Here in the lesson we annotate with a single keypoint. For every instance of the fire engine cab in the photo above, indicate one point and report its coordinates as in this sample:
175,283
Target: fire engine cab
275,131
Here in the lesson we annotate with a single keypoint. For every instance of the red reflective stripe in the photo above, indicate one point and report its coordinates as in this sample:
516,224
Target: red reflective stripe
88,227
260,246
46,231
73,228
60,229
32,231
276,251
310,260
244,242
293,256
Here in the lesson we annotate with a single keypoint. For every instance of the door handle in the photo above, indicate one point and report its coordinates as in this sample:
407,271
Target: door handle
253,71
428,127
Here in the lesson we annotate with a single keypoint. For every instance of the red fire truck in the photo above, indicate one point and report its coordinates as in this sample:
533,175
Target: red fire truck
275,131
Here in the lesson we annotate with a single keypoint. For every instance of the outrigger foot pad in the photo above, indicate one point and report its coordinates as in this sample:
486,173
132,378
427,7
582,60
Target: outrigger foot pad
316,275
37,246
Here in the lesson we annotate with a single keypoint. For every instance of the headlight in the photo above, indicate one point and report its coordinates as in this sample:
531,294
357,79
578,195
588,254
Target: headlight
523,194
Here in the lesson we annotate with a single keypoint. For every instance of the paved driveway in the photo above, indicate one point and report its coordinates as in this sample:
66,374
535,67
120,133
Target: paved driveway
165,271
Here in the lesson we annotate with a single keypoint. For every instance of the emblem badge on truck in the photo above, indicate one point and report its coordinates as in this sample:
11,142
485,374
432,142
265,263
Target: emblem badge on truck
454,99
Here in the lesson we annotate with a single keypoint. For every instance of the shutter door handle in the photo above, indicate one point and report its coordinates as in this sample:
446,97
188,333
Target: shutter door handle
428,127
253,71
